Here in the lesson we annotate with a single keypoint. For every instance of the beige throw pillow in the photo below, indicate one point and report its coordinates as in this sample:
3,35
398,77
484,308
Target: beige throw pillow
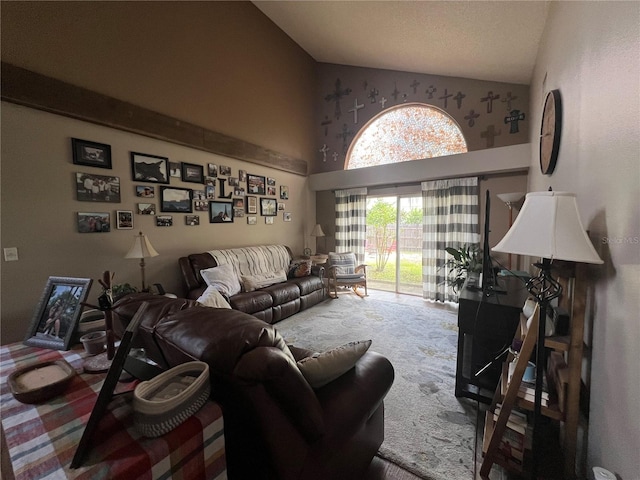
254,282
323,368
211,297
222,278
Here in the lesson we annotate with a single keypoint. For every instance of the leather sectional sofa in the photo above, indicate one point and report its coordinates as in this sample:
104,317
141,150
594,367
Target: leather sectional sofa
271,303
276,425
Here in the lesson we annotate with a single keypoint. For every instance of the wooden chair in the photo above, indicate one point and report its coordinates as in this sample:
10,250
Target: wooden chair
343,271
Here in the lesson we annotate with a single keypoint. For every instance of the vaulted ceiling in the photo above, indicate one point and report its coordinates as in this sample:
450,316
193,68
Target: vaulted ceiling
485,40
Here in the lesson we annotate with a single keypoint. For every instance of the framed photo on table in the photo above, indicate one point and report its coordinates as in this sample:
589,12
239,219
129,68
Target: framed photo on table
57,313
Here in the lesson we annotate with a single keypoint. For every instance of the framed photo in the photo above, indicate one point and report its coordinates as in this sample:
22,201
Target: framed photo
192,173
201,205
268,220
94,222
239,192
174,169
286,216
145,191
192,220
255,184
149,168
280,207
174,199
146,209
271,182
252,205
271,190
58,312
242,175
212,170
124,219
91,154
224,170
97,188
164,221
284,192
252,220
199,195
268,207
220,212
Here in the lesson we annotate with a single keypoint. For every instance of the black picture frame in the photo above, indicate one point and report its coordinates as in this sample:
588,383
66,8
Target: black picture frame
176,200
109,385
91,154
57,313
97,188
149,168
255,184
124,219
220,212
93,222
268,207
192,173
252,205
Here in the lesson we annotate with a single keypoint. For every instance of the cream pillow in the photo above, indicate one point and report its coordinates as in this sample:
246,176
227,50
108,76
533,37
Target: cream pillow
254,282
211,297
222,278
323,368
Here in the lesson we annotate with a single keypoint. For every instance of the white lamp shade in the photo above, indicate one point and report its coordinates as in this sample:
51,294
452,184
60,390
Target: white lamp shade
141,248
317,231
510,197
549,226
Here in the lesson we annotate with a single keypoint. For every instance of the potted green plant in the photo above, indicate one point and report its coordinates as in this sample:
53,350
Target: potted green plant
122,289
465,261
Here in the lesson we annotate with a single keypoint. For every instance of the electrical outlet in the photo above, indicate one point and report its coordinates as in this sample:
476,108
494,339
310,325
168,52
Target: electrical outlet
11,254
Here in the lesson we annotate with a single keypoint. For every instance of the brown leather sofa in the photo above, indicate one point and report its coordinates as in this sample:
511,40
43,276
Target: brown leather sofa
276,425
272,303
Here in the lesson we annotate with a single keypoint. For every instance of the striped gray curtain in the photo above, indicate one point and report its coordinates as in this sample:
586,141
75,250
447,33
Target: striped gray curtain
450,211
351,221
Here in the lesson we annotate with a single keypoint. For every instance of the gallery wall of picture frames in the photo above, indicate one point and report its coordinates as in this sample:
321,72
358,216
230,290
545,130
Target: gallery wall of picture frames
221,194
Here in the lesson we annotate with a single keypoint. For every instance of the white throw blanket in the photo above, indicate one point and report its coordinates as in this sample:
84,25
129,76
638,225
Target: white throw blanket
249,261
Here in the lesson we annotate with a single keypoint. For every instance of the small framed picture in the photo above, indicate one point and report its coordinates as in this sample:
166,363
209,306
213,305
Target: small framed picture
192,220
91,154
58,312
224,170
210,192
284,192
242,175
149,168
199,195
145,191
268,207
164,221
255,184
280,206
97,188
174,199
271,182
286,216
201,205
252,220
212,170
239,192
174,169
192,173
146,209
233,181
124,219
220,212
252,205
271,190
94,222
268,220
210,181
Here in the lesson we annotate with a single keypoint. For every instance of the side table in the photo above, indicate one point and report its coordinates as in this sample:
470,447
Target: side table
42,438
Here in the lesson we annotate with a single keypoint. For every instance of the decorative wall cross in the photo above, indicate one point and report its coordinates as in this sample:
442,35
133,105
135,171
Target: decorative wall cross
346,133
513,118
373,93
490,98
324,151
458,98
446,97
335,156
355,109
490,133
471,117
414,85
326,124
336,96
508,99
395,92
382,101
430,91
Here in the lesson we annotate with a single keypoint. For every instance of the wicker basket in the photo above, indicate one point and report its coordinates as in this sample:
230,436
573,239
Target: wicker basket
164,402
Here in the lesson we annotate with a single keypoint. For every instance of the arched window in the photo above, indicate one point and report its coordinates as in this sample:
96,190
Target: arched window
411,131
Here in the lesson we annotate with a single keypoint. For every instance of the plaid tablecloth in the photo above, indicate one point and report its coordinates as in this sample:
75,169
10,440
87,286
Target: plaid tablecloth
42,438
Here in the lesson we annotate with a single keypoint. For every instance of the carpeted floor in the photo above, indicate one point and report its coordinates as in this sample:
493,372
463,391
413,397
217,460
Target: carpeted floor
428,431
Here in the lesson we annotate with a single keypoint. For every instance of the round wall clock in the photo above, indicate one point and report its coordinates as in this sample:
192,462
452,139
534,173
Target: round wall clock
550,132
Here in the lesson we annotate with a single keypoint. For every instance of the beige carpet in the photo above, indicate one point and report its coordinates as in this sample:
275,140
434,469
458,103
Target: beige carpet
428,431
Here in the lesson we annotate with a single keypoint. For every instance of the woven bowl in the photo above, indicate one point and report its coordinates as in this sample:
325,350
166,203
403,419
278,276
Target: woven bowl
164,402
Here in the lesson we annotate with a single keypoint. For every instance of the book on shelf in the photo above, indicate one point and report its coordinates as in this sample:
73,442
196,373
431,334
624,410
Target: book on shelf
517,420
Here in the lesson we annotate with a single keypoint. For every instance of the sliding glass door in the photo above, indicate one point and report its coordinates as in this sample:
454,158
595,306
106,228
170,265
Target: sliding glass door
394,243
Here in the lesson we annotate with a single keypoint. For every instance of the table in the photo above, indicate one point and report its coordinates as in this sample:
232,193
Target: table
42,438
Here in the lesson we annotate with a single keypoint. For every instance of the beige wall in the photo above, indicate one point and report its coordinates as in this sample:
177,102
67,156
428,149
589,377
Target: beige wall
591,52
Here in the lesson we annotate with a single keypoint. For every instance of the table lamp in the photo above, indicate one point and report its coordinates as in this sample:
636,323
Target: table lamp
317,232
548,227
510,199
141,249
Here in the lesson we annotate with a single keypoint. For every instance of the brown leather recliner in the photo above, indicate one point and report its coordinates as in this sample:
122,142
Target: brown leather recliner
276,425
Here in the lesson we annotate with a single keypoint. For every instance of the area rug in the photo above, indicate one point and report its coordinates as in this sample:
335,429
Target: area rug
428,431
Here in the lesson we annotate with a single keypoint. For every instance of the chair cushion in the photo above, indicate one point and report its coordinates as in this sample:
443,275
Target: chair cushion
344,263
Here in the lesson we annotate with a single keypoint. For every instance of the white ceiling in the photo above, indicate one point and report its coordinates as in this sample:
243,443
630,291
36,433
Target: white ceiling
485,40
